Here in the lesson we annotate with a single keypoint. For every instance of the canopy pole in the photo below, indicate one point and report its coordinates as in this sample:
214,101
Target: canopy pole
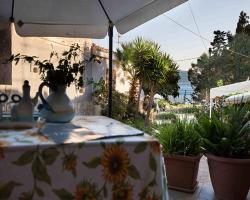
210,108
110,33
12,11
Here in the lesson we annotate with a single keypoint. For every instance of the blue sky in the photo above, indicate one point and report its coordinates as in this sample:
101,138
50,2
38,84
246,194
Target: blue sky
181,44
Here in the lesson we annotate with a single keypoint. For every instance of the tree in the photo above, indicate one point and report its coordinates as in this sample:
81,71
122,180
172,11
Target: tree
155,71
228,60
219,43
124,57
243,25
200,76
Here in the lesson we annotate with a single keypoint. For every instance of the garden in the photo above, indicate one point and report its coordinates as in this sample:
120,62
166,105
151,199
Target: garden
185,131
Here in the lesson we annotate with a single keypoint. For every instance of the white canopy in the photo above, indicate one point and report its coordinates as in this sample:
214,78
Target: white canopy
81,18
238,98
236,88
240,87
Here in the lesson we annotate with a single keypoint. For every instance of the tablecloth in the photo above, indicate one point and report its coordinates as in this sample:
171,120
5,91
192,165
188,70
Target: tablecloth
36,166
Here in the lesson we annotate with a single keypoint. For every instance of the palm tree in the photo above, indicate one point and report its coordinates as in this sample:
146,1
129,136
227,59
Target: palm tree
154,70
124,58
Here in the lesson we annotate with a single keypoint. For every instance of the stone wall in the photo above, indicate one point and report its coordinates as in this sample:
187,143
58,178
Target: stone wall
11,83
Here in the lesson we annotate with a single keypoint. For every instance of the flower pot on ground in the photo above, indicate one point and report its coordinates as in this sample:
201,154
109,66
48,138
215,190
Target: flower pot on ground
181,148
227,143
230,177
182,172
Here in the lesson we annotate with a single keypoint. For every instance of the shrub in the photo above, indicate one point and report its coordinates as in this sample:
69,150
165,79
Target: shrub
119,101
180,138
226,134
166,116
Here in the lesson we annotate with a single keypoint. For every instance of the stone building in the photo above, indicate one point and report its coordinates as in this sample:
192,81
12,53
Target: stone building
12,76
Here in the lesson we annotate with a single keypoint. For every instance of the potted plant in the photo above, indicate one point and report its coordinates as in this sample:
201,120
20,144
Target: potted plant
227,144
181,146
58,73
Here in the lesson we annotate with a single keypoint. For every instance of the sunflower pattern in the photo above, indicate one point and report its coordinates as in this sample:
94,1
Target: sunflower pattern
147,194
155,147
122,191
115,162
87,191
108,171
70,163
3,144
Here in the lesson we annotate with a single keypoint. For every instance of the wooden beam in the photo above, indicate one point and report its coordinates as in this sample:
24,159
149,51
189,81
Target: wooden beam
5,53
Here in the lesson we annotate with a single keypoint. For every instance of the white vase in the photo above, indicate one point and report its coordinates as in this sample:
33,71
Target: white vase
57,108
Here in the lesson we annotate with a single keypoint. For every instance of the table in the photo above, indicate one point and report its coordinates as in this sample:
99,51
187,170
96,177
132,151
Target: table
74,166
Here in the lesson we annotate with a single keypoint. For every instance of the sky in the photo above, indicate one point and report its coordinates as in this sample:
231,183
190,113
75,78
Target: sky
181,44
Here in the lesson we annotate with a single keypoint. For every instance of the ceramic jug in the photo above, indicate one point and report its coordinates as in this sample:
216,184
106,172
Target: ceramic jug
57,108
23,110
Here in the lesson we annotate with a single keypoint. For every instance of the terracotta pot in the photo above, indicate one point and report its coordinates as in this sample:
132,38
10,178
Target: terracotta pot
182,172
230,177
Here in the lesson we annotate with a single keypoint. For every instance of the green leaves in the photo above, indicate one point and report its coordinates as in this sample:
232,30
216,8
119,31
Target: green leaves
39,192
26,195
25,158
49,155
81,144
180,138
93,163
38,160
7,188
40,172
152,162
226,133
63,194
141,147
65,71
133,172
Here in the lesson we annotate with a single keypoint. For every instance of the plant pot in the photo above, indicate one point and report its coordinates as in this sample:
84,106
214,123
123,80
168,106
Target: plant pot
57,108
182,172
230,177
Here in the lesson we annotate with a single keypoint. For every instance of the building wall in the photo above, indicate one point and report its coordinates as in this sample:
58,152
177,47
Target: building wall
41,47
120,77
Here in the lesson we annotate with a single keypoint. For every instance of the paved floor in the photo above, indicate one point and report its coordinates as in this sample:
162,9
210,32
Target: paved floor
203,192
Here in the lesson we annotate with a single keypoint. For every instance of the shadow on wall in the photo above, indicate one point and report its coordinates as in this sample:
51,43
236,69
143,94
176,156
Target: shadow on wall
6,107
83,106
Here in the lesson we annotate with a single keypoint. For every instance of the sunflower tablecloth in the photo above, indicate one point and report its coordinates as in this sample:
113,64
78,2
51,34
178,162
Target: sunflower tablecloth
67,164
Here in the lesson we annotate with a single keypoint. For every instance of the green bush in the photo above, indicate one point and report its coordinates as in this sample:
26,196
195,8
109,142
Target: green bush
188,110
226,134
179,138
119,101
166,116
139,122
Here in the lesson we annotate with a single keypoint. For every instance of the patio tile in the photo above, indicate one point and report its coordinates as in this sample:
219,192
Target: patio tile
204,190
